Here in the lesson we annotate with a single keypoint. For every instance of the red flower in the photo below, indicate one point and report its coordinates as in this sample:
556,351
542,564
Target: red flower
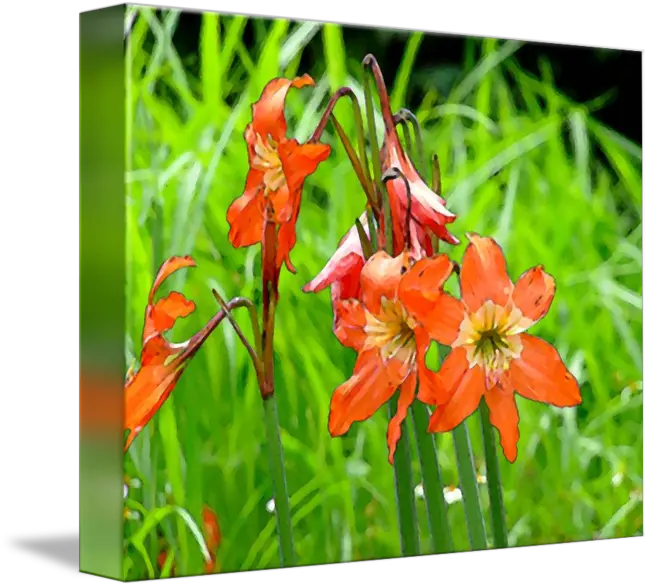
162,362
390,327
428,209
492,356
278,167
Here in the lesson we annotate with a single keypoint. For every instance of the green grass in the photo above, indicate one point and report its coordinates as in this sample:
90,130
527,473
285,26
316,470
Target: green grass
520,161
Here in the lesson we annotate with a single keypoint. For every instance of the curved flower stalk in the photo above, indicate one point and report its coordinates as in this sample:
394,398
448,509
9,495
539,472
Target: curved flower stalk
492,356
428,208
163,362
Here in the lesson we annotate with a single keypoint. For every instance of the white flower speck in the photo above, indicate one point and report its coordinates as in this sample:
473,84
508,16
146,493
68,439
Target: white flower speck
419,491
617,479
481,479
271,506
452,495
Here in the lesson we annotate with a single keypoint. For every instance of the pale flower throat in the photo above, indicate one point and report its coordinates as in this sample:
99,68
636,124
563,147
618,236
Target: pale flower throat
267,160
392,331
491,337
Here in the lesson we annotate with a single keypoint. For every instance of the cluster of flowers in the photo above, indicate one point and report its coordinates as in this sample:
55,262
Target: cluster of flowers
387,288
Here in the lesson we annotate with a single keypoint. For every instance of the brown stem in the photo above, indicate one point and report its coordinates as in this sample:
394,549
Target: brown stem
200,337
436,185
395,173
269,297
338,94
252,353
370,62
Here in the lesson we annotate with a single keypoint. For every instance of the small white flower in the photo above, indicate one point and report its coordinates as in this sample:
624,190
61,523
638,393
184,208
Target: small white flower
271,506
452,495
419,491
125,491
617,479
481,479
135,483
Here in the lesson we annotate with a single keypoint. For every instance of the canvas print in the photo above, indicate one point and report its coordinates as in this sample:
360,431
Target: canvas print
383,294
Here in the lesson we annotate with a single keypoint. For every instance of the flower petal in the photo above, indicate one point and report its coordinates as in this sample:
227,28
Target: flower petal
211,528
372,384
246,215
465,386
350,323
427,207
431,388
162,363
380,278
534,292
299,161
539,374
344,266
421,293
268,112
163,314
484,274
503,415
394,433
146,392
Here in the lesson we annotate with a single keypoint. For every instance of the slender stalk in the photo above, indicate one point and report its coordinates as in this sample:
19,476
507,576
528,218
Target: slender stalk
407,116
494,484
469,487
402,463
360,161
436,509
281,494
267,389
405,490
462,443
252,353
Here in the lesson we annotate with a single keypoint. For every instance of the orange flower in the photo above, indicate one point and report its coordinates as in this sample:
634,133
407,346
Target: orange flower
428,209
390,329
162,362
278,167
492,356
212,538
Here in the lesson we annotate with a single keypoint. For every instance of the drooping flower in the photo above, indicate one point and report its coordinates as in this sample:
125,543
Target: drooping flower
162,362
278,166
428,209
390,326
492,356
343,269
212,539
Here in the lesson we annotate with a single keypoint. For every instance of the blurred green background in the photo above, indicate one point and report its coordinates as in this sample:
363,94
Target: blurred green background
521,161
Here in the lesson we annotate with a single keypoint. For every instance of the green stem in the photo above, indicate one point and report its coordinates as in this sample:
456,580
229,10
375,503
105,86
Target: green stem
281,496
405,490
469,487
436,509
494,483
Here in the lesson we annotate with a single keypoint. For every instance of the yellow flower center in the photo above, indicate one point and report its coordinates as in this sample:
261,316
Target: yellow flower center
267,160
491,337
392,331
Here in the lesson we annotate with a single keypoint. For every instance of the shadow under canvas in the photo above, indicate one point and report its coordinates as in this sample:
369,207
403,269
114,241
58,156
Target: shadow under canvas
63,549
